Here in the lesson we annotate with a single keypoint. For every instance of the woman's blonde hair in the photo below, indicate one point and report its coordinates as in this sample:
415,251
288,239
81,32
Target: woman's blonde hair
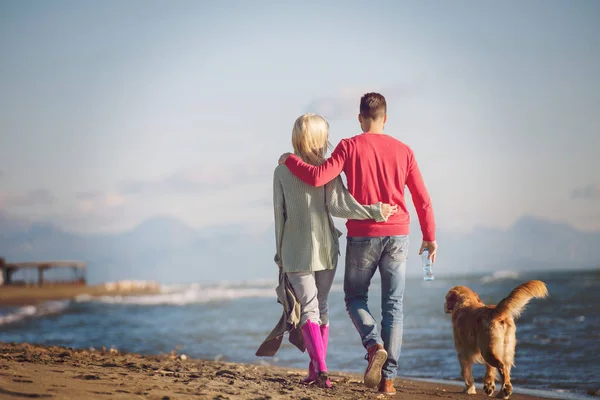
309,138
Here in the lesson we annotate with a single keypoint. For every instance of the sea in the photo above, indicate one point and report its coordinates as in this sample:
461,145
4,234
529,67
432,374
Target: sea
558,338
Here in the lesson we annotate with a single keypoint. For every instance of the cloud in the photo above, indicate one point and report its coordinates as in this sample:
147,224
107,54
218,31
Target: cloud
92,201
588,192
588,221
237,204
93,195
203,195
265,201
345,103
203,179
31,198
334,107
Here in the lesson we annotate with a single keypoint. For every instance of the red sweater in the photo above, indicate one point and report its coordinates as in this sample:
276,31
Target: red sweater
377,167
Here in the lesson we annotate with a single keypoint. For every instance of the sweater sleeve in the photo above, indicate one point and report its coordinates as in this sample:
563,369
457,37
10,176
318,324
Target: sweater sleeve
319,175
342,204
421,199
280,216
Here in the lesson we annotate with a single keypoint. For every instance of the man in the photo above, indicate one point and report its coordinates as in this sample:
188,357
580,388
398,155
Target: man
377,167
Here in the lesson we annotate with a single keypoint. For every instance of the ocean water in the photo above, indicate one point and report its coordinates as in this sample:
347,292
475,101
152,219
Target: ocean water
558,338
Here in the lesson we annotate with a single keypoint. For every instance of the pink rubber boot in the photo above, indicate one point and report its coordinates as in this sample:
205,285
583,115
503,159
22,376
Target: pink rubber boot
325,340
312,373
311,333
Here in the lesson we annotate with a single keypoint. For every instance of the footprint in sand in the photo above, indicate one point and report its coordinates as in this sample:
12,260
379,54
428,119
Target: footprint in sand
109,365
87,377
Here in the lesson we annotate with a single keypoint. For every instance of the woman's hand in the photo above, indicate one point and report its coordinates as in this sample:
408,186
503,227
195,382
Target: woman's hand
283,157
388,210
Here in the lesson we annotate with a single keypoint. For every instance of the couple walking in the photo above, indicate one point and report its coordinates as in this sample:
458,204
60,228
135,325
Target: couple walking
307,191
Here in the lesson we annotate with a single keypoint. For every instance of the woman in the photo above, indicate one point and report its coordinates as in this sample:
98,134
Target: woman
307,240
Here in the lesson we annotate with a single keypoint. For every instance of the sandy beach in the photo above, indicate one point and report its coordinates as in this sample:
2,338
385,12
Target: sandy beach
33,295
30,371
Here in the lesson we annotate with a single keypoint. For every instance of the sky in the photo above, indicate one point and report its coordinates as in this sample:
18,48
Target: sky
114,112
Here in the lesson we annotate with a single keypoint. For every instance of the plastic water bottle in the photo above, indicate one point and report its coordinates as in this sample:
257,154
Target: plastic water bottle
427,266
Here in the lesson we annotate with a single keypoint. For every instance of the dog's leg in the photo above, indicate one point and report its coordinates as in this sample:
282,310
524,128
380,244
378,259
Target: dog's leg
466,371
504,370
495,355
506,389
510,341
489,383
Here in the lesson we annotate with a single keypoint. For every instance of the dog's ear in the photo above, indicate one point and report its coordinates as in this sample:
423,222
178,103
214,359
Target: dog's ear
451,299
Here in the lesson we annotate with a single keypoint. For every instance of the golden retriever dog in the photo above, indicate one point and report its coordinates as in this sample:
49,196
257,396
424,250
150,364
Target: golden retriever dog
486,333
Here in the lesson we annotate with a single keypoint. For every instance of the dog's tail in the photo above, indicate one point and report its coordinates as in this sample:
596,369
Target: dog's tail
516,301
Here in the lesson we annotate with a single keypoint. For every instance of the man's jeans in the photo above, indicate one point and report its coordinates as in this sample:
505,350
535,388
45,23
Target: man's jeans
363,256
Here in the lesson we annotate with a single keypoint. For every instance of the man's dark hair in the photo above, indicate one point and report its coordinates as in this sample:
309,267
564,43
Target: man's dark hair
373,106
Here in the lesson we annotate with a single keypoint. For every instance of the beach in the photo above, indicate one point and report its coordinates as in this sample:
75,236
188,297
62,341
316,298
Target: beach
557,338
31,371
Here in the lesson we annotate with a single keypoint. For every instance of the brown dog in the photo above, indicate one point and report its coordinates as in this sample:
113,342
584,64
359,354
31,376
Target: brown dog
486,334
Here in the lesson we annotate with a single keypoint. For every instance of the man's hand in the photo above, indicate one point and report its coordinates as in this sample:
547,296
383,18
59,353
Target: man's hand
284,157
388,210
431,247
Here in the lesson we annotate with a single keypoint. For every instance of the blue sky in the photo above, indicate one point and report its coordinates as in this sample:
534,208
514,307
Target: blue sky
114,112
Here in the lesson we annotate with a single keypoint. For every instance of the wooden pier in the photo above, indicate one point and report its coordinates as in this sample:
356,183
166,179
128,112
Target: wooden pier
8,269
24,292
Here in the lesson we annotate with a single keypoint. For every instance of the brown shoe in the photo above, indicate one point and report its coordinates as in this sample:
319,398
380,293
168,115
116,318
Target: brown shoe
376,356
386,386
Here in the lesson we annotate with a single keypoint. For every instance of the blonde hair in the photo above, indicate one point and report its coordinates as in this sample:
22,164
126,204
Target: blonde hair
309,138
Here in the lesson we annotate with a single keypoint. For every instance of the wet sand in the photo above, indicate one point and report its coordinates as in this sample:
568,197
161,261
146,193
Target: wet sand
30,371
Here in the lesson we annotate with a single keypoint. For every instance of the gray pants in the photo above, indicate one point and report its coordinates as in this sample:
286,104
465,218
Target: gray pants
312,290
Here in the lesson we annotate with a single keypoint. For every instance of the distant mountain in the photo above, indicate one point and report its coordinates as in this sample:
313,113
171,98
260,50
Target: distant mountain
10,224
163,249
531,243
168,250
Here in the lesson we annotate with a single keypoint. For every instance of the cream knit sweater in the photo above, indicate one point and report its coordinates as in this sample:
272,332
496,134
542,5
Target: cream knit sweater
306,238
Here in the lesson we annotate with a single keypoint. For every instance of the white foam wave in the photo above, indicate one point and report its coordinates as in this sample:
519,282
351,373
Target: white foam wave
500,275
196,293
47,308
254,284
188,294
